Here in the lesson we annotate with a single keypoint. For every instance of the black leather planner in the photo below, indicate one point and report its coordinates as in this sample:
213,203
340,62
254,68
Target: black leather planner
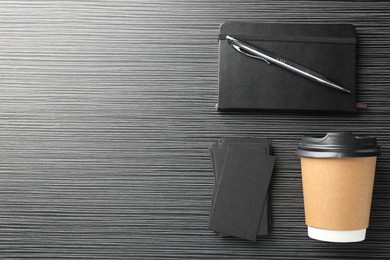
246,83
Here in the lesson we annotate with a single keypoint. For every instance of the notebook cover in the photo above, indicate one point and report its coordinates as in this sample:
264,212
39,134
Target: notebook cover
250,84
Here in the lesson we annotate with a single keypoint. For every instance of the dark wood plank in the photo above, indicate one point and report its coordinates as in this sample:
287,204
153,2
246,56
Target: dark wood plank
106,111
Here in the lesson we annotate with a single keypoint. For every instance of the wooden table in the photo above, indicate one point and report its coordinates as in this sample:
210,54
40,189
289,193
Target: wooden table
107,113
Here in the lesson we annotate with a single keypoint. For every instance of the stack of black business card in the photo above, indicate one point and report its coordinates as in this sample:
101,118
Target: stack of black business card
242,172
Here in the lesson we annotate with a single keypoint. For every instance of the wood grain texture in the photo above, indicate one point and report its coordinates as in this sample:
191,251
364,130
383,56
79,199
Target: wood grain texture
106,116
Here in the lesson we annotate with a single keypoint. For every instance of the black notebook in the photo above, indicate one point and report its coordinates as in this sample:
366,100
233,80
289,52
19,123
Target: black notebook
246,83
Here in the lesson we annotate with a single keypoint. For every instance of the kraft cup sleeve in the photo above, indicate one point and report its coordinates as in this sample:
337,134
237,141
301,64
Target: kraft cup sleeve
341,198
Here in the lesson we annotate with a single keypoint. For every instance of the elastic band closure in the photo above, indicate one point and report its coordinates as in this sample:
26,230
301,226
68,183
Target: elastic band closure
289,38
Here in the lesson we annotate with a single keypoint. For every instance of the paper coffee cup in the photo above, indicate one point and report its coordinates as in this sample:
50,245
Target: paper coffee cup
338,172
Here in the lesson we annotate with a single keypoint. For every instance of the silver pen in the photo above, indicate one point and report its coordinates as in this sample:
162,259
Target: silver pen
257,53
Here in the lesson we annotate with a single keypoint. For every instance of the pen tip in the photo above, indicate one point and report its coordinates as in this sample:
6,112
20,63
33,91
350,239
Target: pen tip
342,89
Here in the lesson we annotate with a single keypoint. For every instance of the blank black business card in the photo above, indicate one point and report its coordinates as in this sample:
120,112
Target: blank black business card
219,150
242,191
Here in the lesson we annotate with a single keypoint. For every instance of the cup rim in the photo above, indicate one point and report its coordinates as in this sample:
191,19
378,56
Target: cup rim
338,145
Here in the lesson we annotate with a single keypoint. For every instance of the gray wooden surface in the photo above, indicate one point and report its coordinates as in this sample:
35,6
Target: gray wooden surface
106,116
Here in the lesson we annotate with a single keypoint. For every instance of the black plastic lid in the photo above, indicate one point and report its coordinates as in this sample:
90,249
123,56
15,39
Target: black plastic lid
336,145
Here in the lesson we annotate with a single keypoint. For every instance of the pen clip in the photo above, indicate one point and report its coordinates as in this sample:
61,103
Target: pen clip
248,54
